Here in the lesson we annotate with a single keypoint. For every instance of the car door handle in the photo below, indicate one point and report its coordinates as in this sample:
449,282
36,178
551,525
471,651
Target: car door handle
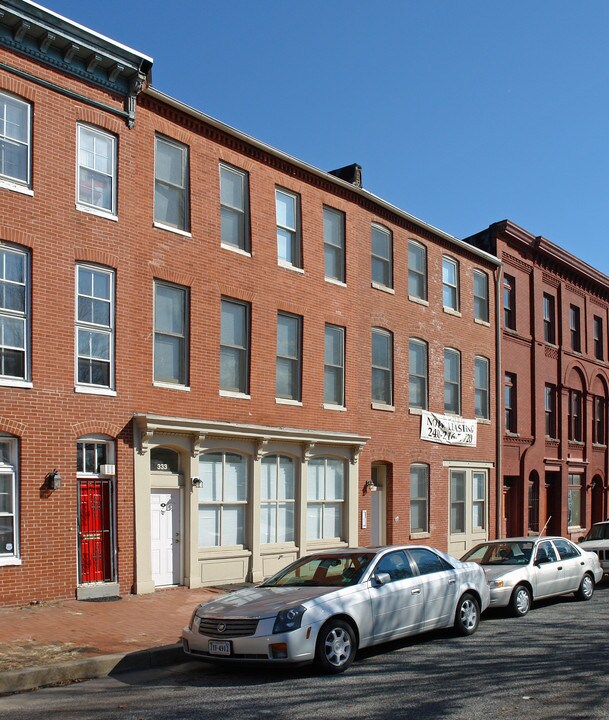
452,582
559,567
416,591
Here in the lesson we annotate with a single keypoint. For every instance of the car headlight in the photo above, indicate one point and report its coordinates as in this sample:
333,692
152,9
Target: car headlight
288,620
496,584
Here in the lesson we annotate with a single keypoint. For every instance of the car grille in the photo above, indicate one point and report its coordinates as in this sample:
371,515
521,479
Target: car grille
230,628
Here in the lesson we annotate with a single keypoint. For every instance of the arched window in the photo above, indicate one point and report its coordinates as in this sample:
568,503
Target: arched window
164,460
277,495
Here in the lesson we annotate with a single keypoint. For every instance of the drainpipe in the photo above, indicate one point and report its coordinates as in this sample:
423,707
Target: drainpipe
499,404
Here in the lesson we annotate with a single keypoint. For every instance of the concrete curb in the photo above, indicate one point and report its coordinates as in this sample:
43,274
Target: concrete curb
13,681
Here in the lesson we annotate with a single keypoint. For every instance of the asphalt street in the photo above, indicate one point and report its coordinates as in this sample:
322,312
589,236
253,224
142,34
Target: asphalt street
552,664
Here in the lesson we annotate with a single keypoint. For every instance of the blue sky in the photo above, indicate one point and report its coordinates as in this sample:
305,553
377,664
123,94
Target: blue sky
461,113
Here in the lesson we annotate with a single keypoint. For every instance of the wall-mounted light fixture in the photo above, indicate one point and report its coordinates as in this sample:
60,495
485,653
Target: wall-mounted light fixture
591,486
53,480
196,482
371,486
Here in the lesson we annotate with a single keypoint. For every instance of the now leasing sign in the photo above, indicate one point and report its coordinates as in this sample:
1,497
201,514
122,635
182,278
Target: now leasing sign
447,429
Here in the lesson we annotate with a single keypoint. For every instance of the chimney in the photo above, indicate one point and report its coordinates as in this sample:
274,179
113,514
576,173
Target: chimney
350,173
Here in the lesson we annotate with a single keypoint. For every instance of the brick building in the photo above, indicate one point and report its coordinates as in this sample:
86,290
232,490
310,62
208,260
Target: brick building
554,367
215,357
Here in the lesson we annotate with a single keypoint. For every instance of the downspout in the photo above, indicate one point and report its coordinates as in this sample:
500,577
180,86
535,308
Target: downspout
499,404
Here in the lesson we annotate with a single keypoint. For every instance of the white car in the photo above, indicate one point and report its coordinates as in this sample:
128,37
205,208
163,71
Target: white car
325,606
597,541
521,570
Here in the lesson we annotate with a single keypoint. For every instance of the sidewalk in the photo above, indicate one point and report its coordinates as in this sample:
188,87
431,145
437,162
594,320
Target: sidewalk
69,640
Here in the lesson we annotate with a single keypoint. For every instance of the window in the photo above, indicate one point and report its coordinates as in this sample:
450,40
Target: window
382,256
574,500
14,314
450,284
325,498
9,501
277,494
468,501
481,296
509,302
428,562
533,505
382,367
171,184
575,416
96,169
164,460
417,270
481,385
233,208
419,498
234,346
90,455
95,326
417,358
334,366
550,407
599,436
598,338
170,333
478,500
15,139
222,499
452,381
575,328
287,209
334,244
566,550
549,319
509,393
289,356
396,565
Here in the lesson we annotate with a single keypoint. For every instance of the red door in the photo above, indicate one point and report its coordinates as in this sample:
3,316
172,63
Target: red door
95,531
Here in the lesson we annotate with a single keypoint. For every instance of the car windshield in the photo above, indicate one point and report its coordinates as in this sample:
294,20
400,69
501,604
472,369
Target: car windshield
509,552
338,570
598,532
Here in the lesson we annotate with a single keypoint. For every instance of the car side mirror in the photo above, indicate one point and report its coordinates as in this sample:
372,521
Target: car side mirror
381,578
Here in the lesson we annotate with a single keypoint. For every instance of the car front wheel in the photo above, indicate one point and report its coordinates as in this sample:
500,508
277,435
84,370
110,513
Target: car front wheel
467,615
586,588
520,602
336,646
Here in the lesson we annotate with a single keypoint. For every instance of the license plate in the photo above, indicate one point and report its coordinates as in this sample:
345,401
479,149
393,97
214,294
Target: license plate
219,648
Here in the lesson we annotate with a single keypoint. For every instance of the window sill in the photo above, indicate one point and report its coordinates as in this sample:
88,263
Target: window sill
509,433
287,401
486,323
382,406
483,421
383,288
451,311
419,535
235,249
289,266
416,411
16,187
175,231
233,394
599,446
7,382
418,300
222,553
334,281
94,391
332,406
171,386
7,561
97,212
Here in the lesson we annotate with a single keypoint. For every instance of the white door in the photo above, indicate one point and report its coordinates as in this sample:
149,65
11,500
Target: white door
165,542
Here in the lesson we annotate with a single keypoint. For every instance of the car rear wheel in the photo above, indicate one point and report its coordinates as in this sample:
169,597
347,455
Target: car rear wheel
586,588
467,615
520,602
336,646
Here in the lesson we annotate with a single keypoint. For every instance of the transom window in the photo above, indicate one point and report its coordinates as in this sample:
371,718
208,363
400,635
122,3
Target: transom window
96,169
277,499
481,296
334,365
452,381
222,499
417,270
417,355
382,256
382,367
14,313
171,183
95,326
15,138
90,456
334,244
234,346
287,210
325,498
164,460
233,207
288,368
450,283
170,333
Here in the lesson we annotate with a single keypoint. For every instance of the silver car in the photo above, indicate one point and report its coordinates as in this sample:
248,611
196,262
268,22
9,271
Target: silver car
597,541
325,606
521,570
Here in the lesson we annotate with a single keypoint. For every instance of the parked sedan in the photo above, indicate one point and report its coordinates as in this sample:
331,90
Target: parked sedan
325,606
521,570
597,541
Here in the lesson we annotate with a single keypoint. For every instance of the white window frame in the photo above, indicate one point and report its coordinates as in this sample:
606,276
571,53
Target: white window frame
276,502
183,226
242,213
385,371
9,181
182,338
450,286
243,350
81,203
415,274
9,467
292,232
481,302
334,245
294,361
382,264
92,327
337,368
324,501
480,390
417,377
420,500
452,382
9,315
